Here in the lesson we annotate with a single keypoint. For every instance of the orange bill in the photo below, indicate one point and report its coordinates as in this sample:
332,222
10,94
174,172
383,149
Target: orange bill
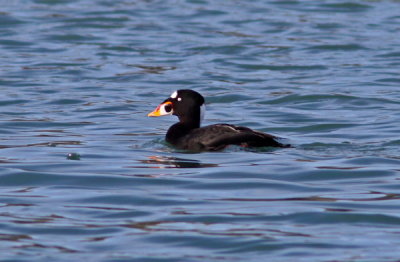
160,111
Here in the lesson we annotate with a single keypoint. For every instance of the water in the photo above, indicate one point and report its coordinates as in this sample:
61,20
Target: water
86,176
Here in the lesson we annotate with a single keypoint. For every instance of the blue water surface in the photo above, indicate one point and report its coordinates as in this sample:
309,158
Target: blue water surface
85,175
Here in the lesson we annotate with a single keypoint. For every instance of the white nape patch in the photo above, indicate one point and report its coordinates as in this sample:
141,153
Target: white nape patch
202,112
174,94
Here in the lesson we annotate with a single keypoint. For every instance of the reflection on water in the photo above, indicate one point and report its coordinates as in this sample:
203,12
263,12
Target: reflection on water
51,144
172,162
357,197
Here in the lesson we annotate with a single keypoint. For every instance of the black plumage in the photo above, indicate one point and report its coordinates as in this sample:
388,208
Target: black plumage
187,133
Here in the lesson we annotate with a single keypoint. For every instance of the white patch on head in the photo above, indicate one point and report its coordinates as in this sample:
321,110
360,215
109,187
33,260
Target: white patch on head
202,112
174,94
179,99
164,112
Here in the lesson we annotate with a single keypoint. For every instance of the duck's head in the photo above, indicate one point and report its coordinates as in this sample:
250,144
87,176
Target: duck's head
186,104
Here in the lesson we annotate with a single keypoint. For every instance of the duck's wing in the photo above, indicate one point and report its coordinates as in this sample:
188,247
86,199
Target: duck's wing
217,137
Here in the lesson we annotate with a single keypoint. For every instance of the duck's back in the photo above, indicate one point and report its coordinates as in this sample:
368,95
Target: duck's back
218,136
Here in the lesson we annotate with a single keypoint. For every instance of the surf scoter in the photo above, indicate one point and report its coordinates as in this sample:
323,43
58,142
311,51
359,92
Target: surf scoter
188,106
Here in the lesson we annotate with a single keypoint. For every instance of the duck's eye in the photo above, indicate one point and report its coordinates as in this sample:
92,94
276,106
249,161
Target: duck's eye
168,108
179,99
